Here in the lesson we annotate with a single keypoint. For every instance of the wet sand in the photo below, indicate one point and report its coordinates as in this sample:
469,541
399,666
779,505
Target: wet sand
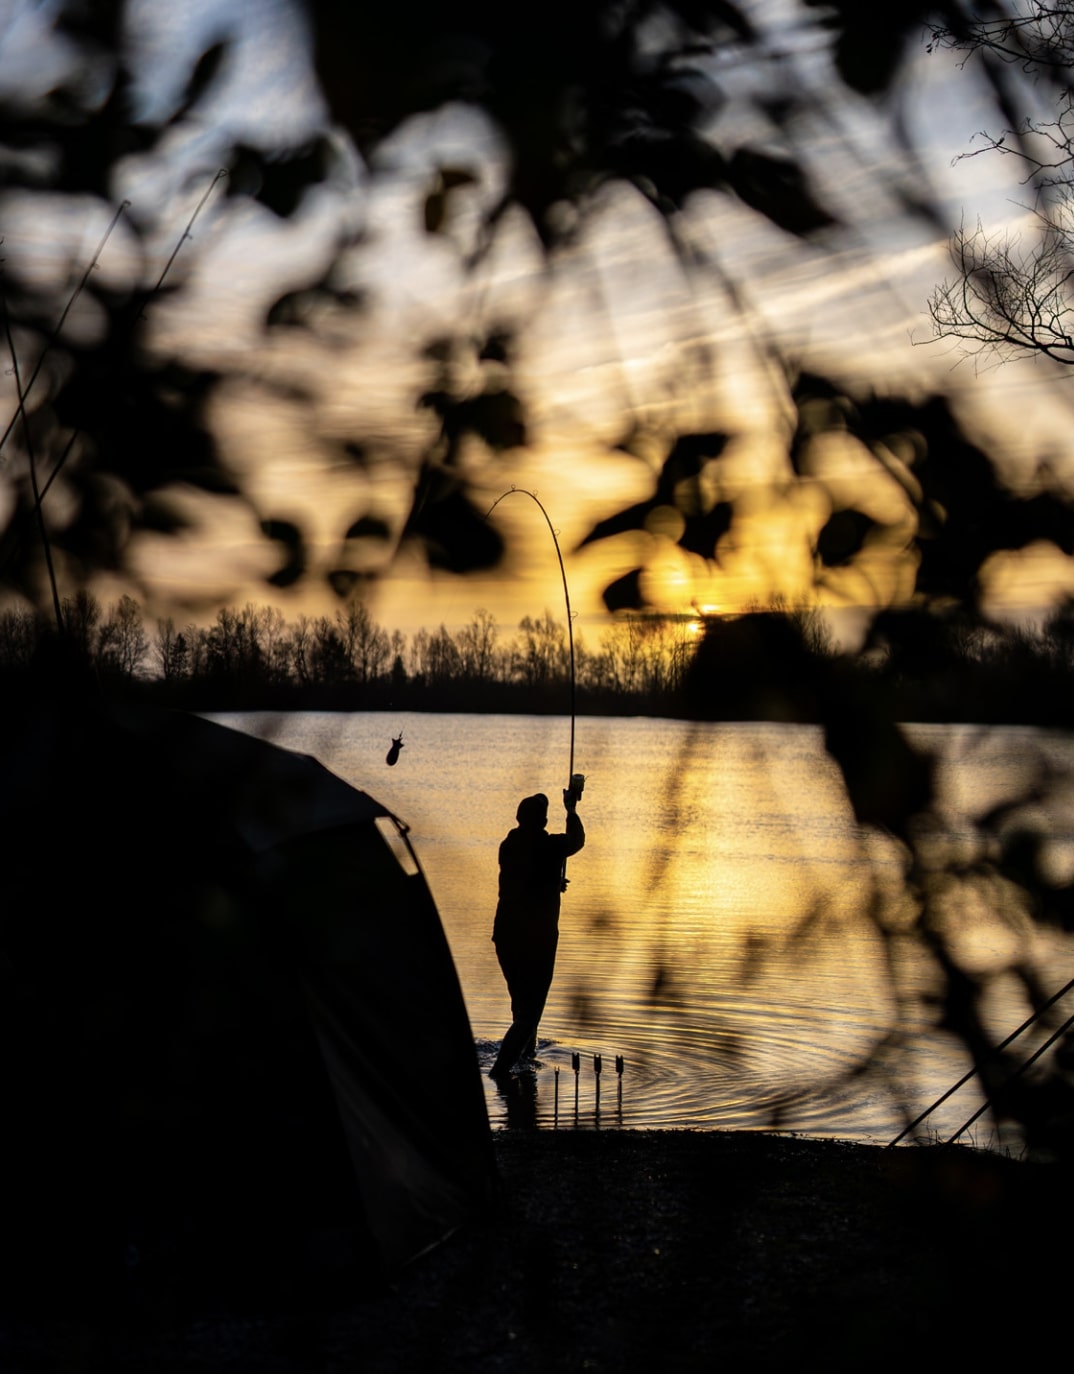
668,1250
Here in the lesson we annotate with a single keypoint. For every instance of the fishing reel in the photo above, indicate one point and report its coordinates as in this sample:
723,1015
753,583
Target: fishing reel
572,795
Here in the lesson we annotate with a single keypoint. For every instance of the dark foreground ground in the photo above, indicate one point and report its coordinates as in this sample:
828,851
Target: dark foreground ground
622,1251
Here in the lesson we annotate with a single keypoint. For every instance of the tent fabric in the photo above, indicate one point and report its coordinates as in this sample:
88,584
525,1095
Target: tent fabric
232,1039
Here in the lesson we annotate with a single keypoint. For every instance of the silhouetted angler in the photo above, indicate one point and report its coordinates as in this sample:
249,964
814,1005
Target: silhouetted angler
392,757
526,930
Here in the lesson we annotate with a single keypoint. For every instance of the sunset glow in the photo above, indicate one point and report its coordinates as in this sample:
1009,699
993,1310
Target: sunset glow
622,341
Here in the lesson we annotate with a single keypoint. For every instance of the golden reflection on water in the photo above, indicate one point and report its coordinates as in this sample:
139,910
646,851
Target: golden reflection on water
729,930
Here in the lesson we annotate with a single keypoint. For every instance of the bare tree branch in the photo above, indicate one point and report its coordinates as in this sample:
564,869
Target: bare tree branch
1012,290
1009,295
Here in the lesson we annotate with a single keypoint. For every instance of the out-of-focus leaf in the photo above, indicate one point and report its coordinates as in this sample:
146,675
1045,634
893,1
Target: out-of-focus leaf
435,211
456,537
147,425
676,486
624,521
669,166
708,15
280,182
624,594
575,91
497,347
703,532
206,70
496,416
886,779
843,536
872,38
965,512
290,537
499,419
348,582
161,517
779,190
437,202
369,527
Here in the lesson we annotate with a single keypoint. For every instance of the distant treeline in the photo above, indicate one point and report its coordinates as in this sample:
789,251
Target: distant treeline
254,658
763,665
917,664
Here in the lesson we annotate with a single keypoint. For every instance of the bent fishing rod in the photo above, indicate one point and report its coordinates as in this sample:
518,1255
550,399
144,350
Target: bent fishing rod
575,781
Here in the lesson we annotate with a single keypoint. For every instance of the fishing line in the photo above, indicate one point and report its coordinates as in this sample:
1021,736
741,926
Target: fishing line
1029,1021
186,234
20,392
54,336
521,491
42,492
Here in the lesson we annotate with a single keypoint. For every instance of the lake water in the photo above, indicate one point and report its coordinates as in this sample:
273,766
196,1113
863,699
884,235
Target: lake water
719,932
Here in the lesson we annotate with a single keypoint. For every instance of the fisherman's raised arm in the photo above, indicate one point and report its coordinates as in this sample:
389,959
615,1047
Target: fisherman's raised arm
575,834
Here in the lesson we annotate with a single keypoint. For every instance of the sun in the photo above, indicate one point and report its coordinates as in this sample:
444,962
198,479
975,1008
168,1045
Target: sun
705,611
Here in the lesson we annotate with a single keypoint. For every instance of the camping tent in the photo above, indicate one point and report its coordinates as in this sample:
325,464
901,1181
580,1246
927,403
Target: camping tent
232,1041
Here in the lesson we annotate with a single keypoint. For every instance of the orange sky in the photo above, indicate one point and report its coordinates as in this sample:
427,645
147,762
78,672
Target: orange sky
614,336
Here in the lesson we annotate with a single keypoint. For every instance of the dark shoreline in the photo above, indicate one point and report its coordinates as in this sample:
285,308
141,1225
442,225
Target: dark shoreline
975,708
665,1250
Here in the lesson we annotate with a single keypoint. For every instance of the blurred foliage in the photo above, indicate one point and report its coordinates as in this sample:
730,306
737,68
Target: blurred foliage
583,95
578,94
